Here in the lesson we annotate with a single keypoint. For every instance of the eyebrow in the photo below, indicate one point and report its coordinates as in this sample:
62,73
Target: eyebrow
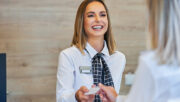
94,12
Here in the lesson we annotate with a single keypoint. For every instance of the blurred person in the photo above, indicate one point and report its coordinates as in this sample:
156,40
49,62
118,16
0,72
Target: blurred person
158,72
92,57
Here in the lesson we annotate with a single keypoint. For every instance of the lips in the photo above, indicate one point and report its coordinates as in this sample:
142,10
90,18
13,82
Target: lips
97,27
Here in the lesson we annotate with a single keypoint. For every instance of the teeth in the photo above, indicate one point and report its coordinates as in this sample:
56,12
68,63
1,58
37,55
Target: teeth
97,27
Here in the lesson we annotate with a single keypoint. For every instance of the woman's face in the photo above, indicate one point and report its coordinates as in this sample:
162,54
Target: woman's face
95,20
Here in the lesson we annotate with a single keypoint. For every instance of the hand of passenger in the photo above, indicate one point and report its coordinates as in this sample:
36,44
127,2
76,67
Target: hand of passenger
107,93
81,97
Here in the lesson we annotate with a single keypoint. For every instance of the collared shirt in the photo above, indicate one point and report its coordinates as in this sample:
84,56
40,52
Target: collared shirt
154,82
69,77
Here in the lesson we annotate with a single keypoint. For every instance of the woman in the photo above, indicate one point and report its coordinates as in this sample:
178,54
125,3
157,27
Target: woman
92,58
157,76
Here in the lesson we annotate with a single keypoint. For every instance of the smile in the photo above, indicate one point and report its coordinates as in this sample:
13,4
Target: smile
97,27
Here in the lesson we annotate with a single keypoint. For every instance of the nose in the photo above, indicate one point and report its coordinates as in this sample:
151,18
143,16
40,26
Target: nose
97,18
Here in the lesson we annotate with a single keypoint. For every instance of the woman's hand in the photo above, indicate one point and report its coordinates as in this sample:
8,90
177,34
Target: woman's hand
107,93
80,97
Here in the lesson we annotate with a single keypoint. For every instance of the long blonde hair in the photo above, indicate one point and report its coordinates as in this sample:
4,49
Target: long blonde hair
80,37
164,26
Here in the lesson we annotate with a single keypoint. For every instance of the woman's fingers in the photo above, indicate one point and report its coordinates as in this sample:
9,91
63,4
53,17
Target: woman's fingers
103,88
80,94
91,98
104,99
84,89
108,92
93,86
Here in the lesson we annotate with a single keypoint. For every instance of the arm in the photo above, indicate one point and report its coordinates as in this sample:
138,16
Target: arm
120,65
65,79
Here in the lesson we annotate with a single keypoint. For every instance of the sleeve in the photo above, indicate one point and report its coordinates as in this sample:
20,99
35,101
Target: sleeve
143,88
122,67
65,79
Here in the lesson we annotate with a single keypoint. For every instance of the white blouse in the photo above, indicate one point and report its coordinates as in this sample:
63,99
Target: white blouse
70,78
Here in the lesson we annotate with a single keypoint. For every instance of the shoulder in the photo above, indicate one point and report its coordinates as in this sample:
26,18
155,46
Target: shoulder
119,54
147,62
147,55
70,52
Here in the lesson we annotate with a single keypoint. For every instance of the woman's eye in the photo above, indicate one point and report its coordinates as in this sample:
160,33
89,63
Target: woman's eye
90,15
103,15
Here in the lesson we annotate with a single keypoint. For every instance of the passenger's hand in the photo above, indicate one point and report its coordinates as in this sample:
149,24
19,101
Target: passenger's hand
81,97
107,93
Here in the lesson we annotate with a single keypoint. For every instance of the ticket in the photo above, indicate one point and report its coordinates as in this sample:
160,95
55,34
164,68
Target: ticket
93,90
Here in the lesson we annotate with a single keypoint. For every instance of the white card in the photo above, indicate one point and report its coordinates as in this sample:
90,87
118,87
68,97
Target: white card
92,91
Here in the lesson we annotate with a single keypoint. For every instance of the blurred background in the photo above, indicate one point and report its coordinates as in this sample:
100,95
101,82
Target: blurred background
33,32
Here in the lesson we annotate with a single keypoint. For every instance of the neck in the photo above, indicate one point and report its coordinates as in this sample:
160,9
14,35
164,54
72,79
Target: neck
97,44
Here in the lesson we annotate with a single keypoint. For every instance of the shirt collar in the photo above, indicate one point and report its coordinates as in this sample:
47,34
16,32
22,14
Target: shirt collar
92,52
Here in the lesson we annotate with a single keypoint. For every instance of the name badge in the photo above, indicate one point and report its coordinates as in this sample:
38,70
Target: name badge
85,69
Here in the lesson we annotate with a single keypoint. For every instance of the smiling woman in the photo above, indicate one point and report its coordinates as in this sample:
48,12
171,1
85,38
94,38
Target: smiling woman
95,21
92,58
